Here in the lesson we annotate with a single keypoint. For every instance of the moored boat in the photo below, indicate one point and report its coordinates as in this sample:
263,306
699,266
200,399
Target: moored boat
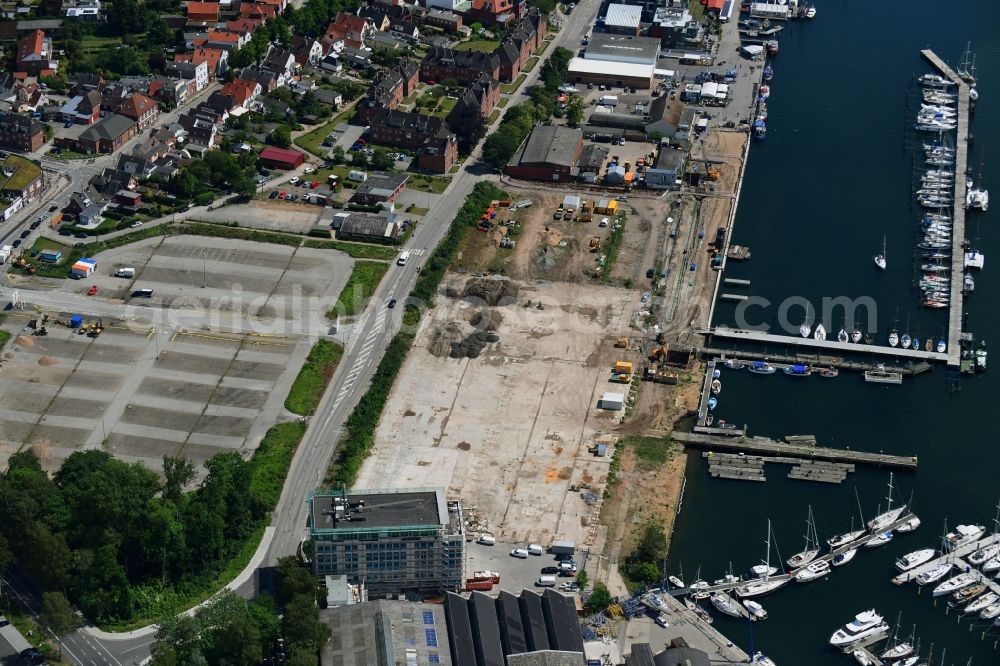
880,539
798,370
934,574
962,535
843,558
829,372
812,571
762,368
913,560
756,611
954,584
864,625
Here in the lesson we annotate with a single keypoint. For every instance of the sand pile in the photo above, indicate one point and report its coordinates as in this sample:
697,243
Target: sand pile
472,346
444,336
486,320
493,290
47,360
25,341
549,236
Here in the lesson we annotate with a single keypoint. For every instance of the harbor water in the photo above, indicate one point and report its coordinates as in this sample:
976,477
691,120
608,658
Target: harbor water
832,178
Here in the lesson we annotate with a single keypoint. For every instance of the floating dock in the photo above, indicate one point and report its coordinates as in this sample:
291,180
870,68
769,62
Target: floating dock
735,297
736,282
706,393
770,447
697,632
831,345
817,360
742,467
955,556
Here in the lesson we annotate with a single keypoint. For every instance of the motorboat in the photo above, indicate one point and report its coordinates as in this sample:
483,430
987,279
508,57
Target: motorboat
768,73
772,47
759,130
814,570
733,364
844,539
756,611
761,570
883,520
977,198
829,372
897,651
842,336
716,386
954,584
698,589
879,375
843,558
856,335
893,338
935,573
811,550
914,522
765,91
804,330
967,594
984,554
962,535
726,604
760,660
990,612
798,370
864,625
880,539
935,80
675,581
913,560
905,341
762,368
982,603
916,345
819,333
713,402
941,346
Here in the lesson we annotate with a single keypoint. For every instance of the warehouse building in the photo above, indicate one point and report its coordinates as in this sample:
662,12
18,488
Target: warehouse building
529,628
281,158
623,49
386,632
393,541
666,172
620,74
549,153
379,188
384,227
623,19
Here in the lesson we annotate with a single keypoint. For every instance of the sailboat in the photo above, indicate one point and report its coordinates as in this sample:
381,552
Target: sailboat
764,584
856,334
990,550
893,338
812,545
757,658
967,67
880,258
853,535
820,332
883,520
804,330
842,336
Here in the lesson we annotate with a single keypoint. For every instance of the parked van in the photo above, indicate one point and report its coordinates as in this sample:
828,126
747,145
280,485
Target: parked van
142,293
546,581
487,540
403,258
519,553
125,272
535,549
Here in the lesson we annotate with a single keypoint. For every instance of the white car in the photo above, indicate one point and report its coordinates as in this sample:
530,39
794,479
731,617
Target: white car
487,540
136,224
309,169
519,553
293,180
604,222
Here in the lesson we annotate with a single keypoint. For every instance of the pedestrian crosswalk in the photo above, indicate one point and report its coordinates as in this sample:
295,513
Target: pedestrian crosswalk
367,339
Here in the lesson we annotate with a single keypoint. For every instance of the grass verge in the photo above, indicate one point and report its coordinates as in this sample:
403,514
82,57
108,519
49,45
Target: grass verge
423,183
508,88
312,141
313,377
364,279
361,424
650,452
612,247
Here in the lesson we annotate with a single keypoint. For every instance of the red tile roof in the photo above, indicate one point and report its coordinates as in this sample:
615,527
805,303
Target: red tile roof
243,25
203,10
223,37
31,44
280,154
239,90
135,106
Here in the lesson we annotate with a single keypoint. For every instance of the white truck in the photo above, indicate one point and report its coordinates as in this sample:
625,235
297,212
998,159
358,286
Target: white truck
5,253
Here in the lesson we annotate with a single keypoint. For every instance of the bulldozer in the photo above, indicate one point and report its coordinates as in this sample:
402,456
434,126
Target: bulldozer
621,343
595,244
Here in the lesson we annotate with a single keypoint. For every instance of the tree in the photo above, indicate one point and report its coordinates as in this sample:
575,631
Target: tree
359,159
599,598
469,126
57,613
127,17
574,110
178,472
159,32
338,155
280,136
293,580
382,160
647,572
500,147
581,578
177,642
229,632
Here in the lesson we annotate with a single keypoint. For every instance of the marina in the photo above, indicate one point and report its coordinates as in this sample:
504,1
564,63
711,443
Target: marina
827,345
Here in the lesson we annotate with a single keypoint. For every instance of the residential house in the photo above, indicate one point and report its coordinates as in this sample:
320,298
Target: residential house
172,91
202,12
34,54
446,20
353,58
267,80
136,166
332,64
333,41
495,12
479,98
437,146
190,71
110,181
141,109
380,188
26,97
356,28
227,41
20,132
85,82
379,16
82,109
244,26
202,125
307,51
257,11
243,92
51,27
463,66
439,153
84,10
388,88
281,63
513,53
406,30
214,59
107,135
382,42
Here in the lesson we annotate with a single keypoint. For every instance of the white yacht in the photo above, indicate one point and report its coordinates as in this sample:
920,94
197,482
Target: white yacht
913,560
844,558
893,338
992,565
897,651
880,258
811,549
844,539
760,660
675,581
864,625
756,611
880,539
762,570
726,604
883,520
963,534
991,612
935,574
914,522
819,333
954,583
984,554
804,330
814,570
982,603
764,584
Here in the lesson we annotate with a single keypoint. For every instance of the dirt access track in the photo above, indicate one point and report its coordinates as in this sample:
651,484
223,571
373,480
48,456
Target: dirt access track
508,432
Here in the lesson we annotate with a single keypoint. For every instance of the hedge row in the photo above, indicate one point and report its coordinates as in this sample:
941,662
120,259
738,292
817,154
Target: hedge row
361,424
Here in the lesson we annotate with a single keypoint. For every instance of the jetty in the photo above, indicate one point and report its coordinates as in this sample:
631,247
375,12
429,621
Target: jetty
706,393
781,361
957,556
958,214
744,467
762,337
792,449
698,633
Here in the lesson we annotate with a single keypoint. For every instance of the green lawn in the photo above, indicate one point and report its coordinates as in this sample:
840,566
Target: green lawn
414,209
508,88
355,250
485,45
92,43
25,171
312,141
493,117
422,183
541,49
360,286
65,154
444,107
502,102
530,65
313,378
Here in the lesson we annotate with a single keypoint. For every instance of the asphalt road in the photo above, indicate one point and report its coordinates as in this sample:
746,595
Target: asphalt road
365,341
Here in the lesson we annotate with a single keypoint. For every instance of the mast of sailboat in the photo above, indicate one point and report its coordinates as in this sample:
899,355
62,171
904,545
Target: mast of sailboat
889,508
860,512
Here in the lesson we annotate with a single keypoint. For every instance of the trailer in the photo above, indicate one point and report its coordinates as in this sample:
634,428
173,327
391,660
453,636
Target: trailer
562,548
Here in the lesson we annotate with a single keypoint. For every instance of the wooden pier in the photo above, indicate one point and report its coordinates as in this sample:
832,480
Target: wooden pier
957,556
735,297
817,360
706,393
736,282
770,447
741,467
958,214
827,345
